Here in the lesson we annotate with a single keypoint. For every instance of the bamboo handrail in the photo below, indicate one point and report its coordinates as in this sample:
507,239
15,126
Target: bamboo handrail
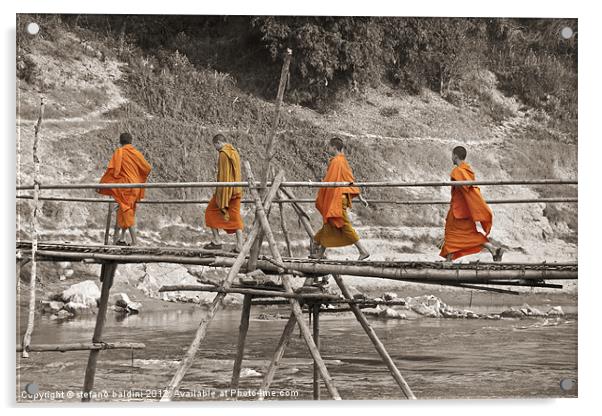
84,346
297,184
304,200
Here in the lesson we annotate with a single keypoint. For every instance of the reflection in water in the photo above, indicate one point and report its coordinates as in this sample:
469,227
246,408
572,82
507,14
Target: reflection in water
440,358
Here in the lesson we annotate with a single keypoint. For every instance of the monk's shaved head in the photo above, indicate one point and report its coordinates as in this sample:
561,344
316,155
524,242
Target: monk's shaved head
459,152
337,143
219,138
125,138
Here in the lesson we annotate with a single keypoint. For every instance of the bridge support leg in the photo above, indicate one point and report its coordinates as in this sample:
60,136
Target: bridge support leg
405,388
107,273
242,336
316,323
286,281
278,353
201,331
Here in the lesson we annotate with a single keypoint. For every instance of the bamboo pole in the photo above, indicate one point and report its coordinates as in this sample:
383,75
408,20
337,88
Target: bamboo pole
301,184
34,234
108,223
398,273
289,249
107,273
217,301
279,97
247,291
305,201
316,323
278,354
84,346
242,336
405,388
305,331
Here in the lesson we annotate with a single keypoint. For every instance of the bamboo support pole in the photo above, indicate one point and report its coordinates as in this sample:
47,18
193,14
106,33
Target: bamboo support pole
34,234
84,346
398,273
107,273
315,310
108,223
289,249
242,336
305,331
405,388
278,354
247,291
201,331
301,184
269,151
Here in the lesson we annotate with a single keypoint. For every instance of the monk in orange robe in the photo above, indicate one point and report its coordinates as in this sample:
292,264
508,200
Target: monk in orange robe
126,166
467,207
333,203
223,210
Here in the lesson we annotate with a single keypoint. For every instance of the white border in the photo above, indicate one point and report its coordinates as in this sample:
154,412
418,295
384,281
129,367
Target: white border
589,175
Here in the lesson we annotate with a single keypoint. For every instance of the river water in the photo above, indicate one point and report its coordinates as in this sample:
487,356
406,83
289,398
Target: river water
440,358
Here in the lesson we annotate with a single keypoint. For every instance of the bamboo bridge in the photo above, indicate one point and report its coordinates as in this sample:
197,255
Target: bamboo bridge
305,299
271,188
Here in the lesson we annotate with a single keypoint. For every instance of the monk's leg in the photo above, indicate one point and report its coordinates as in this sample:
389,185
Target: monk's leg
133,234
496,252
215,236
364,253
116,233
239,241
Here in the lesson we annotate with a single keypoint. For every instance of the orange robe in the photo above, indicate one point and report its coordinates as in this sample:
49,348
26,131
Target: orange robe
126,166
332,203
467,207
223,210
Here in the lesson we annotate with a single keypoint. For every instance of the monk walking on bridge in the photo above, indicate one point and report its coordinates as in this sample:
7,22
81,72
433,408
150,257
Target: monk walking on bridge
467,207
333,203
223,211
126,166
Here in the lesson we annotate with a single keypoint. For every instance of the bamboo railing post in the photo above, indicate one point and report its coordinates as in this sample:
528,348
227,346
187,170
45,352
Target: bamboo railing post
108,223
289,249
405,388
34,233
217,301
242,335
107,272
316,324
278,353
304,328
270,149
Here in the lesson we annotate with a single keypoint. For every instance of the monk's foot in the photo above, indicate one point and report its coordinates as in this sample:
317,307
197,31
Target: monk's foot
212,246
363,256
121,243
497,257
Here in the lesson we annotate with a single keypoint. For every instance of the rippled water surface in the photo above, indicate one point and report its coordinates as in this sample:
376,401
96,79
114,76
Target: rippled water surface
440,358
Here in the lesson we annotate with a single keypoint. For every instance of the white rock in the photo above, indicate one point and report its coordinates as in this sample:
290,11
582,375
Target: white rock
62,314
390,296
85,292
555,311
68,272
512,313
76,308
160,274
51,306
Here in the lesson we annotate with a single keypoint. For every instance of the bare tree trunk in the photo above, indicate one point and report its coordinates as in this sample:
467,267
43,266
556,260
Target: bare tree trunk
34,234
